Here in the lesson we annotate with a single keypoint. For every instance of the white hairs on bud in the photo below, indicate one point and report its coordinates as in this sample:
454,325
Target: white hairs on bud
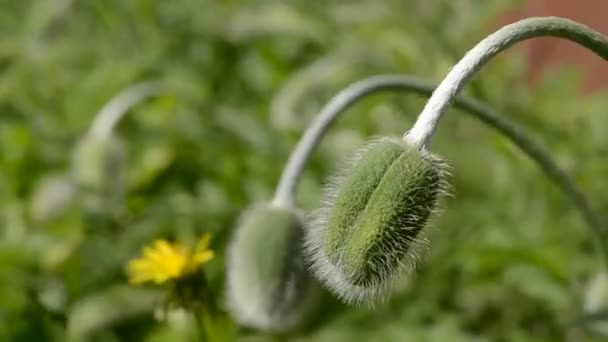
330,272
248,300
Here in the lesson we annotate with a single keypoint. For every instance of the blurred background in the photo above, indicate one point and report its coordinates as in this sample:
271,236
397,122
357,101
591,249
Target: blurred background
511,259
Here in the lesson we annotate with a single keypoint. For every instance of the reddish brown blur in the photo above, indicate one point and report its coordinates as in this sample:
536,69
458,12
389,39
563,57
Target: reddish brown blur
550,52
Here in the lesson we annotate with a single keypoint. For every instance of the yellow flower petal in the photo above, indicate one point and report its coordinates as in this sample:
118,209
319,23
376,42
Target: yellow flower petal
164,247
203,257
140,271
163,261
203,243
160,278
152,254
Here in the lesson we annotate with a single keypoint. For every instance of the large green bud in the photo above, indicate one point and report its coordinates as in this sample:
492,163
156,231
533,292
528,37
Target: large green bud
370,226
268,285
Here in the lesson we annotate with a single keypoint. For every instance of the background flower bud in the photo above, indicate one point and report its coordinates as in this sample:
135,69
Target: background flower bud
52,196
368,229
596,304
99,167
268,285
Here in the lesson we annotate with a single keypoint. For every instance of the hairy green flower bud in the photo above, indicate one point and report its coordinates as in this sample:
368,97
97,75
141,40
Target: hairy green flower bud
268,285
369,227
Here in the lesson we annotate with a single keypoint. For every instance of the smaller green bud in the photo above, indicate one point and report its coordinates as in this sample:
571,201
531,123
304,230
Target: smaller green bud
596,304
268,285
370,226
99,167
52,197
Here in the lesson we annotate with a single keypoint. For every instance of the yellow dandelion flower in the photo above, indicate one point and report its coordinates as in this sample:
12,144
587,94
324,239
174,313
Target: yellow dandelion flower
164,261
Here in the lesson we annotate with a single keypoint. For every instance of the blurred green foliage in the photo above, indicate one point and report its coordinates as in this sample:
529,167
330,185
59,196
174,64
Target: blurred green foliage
510,257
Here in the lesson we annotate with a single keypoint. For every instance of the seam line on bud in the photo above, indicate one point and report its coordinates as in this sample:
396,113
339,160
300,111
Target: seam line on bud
350,226
368,203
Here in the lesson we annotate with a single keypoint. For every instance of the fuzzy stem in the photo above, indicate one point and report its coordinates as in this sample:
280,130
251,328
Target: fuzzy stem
422,131
113,111
288,184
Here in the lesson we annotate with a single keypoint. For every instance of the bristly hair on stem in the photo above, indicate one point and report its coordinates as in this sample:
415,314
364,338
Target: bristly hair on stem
426,124
422,131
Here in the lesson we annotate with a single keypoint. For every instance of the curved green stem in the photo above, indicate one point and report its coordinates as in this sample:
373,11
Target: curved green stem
422,131
113,111
286,190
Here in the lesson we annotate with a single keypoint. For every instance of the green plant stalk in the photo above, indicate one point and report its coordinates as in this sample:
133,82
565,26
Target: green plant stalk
422,131
287,188
98,158
114,110
201,332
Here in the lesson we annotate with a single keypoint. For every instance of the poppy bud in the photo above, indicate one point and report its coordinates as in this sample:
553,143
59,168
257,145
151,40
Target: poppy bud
369,227
99,167
52,197
268,285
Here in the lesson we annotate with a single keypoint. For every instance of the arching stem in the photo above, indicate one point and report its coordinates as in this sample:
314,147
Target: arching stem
422,131
286,190
113,111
